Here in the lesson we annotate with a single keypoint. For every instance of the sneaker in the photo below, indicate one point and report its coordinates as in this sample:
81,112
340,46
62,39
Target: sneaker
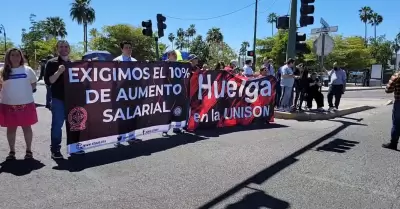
320,109
331,108
335,109
56,155
390,146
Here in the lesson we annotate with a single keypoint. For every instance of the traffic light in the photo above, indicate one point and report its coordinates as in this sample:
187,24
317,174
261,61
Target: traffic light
282,22
147,28
306,10
301,46
250,53
161,26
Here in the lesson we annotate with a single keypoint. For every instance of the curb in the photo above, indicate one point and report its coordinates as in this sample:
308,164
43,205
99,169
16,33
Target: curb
374,88
320,116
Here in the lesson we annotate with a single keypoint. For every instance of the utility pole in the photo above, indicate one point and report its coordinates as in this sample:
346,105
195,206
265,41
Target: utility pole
291,47
255,35
157,49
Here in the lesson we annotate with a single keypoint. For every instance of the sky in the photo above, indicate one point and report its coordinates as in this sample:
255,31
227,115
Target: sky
236,27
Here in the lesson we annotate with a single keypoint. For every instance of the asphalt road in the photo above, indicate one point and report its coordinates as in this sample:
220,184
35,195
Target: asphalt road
303,165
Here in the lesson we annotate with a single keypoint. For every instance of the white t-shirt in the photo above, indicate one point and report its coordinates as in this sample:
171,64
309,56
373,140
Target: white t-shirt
247,70
17,90
123,58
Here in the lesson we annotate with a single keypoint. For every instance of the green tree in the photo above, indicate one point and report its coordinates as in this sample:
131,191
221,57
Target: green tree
376,19
82,12
365,14
272,18
191,32
381,51
396,48
55,26
9,44
200,48
273,47
110,37
180,41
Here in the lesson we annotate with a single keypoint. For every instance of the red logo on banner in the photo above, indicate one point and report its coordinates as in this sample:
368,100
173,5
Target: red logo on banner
77,118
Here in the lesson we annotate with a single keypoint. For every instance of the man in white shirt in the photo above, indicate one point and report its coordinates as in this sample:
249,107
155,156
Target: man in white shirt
126,56
247,70
287,81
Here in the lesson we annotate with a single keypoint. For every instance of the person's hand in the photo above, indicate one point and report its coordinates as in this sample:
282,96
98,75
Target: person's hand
61,69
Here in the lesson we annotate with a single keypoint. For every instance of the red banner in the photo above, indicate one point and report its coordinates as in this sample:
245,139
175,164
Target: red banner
220,99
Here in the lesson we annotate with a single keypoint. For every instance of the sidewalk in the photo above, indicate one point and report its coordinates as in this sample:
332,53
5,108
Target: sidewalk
347,106
357,88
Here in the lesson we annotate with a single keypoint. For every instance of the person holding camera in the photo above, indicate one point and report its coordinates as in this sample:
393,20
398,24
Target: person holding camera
314,93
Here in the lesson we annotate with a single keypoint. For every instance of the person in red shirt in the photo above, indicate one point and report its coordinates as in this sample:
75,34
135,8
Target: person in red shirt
232,65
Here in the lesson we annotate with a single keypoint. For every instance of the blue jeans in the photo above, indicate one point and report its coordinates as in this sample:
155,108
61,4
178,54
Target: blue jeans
286,96
57,122
48,95
395,133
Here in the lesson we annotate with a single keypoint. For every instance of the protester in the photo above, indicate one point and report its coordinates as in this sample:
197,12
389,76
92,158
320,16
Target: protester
313,92
287,81
231,67
301,84
126,56
54,76
278,88
264,71
205,67
394,87
268,64
126,48
17,107
218,66
337,86
247,70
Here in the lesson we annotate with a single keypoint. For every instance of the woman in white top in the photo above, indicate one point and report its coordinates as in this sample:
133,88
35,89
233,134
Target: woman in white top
17,107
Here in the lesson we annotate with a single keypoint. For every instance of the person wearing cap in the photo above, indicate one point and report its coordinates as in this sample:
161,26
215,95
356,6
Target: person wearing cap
268,64
232,66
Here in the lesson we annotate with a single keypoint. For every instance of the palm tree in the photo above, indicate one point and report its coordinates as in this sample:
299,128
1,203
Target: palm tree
396,48
93,33
272,18
180,42
171,38
243,49
83,14
376,19
214,36
365,16
191,31
55,26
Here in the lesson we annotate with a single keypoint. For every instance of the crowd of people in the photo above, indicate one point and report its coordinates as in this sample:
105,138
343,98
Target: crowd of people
295,85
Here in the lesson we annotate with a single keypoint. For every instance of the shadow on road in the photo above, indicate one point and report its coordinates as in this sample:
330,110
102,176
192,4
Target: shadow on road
20,167
259,199
222,131
264,175
143,148
338,145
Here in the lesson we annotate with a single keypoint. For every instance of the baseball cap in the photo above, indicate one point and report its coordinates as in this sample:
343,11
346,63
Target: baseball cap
192,57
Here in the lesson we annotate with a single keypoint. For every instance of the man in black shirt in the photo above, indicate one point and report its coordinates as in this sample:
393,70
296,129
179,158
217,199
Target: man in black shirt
314,93
54,77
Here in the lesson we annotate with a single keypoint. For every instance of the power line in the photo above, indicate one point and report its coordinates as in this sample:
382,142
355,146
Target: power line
215,17
270,7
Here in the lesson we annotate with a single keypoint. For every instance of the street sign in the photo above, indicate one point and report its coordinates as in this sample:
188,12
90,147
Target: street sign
324,23
324,30
323,45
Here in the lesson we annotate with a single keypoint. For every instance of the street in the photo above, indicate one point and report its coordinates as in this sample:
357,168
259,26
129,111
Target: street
304,165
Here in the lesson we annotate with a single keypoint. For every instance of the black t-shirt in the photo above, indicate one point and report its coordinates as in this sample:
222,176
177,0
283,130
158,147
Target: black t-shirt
315,87
57,88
